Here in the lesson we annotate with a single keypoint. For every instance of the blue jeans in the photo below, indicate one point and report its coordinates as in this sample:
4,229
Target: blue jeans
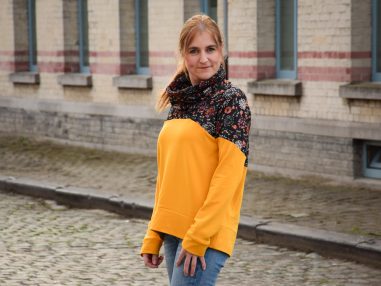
214,259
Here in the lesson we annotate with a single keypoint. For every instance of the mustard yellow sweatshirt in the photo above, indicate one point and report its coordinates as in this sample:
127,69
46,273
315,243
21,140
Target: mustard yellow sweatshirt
202,154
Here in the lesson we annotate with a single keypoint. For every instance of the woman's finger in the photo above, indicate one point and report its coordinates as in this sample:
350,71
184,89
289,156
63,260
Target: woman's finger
160,260
181,257
188,258
154,259
203,263
193,265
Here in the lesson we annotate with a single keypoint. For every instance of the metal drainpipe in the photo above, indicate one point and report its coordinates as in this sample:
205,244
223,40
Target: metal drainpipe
226,38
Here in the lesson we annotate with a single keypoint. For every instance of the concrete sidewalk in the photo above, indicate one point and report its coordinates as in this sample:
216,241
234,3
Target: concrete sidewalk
309,214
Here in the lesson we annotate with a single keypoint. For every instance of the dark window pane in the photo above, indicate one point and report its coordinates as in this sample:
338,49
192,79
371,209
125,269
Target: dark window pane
287,35
212,8
32,33
378,36
83,33
143,33
373,157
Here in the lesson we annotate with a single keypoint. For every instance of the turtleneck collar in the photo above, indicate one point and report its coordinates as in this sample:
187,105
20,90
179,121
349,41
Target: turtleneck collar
182,92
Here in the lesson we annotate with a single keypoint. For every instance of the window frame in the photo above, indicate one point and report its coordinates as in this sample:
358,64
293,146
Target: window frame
376,76
369,172
205,8
83,36
139,68
285,74
32,36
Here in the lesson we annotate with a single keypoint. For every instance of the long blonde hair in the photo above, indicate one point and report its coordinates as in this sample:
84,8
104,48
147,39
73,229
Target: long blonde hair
197,23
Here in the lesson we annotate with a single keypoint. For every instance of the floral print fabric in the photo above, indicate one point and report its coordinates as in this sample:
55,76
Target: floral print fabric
219,107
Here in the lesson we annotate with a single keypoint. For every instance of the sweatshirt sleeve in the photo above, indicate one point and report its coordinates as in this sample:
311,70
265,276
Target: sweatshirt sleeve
233,126
152,241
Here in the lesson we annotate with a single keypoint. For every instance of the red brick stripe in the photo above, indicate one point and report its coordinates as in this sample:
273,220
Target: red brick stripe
334,55
58,67
304,55
14,53
127,54
127,68
12,66
95,68
235,54
252,54
162,70
251,72
162,54
337,74
61,53
313,73
111,54
57,53
111,69
7,66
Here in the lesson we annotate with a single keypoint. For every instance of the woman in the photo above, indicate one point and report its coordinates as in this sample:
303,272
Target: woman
202,154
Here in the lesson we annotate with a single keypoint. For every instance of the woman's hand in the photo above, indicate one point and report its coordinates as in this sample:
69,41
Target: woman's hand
152,260
190,261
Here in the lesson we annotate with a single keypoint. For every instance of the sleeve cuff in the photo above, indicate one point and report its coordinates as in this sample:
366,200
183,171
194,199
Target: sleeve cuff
151,246
193,247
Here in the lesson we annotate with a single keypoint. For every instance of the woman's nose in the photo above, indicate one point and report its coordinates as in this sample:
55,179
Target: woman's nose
203,57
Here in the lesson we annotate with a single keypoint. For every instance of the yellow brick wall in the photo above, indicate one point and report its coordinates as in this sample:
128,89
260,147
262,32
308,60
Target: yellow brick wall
342,27
7,44
6,21
127,27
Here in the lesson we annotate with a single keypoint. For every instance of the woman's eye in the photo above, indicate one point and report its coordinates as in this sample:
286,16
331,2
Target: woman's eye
193,51
211,49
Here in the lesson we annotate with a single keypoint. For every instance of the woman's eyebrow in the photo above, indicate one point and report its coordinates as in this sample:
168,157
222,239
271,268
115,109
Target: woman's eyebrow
210,46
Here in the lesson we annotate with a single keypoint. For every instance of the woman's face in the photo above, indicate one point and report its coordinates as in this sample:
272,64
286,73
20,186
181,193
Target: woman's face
202,57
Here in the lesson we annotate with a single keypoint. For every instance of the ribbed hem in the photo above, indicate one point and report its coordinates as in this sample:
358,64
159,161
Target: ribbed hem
151,246
177,225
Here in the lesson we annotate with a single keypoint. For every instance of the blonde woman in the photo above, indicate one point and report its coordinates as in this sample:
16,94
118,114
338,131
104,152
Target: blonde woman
202,156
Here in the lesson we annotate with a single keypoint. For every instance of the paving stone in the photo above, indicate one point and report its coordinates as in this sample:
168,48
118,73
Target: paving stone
44,246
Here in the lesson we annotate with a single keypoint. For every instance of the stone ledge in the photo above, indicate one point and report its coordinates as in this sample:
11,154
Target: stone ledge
25,77
364,90
86,108
282,87
75,79
135,81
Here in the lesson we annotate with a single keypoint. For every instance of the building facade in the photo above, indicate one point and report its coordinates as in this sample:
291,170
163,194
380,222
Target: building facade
89,73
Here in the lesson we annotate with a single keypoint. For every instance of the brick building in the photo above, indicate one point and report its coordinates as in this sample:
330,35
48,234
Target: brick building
89,72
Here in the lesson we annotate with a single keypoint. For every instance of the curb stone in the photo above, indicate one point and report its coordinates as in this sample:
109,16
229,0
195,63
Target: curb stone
327,243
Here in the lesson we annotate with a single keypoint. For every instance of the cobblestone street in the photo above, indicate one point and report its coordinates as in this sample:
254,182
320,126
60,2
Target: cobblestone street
42,243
